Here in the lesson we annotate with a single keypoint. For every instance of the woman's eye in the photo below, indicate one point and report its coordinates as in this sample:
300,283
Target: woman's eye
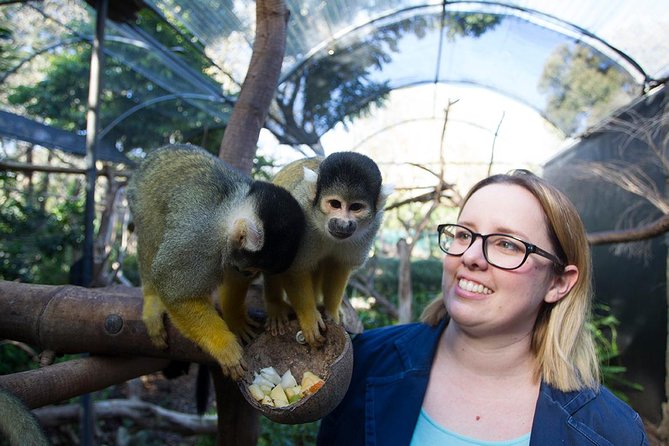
462,235
508,245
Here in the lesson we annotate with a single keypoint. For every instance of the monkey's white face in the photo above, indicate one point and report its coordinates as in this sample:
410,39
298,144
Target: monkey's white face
342,217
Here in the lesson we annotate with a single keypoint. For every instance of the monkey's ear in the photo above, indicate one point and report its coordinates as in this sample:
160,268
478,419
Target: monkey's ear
310,179
386,190
245,234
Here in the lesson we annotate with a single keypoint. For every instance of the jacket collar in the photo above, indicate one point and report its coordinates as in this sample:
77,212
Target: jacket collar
402,390
405,391
409,346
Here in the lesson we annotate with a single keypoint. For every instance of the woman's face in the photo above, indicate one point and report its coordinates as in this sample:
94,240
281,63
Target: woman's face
484,299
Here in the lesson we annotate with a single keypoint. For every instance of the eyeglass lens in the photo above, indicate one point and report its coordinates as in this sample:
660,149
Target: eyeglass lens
499,250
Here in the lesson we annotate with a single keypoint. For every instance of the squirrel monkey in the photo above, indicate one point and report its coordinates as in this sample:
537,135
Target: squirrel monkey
342,198
201,224
17,424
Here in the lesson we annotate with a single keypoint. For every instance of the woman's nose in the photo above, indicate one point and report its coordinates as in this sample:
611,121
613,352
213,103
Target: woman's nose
473,256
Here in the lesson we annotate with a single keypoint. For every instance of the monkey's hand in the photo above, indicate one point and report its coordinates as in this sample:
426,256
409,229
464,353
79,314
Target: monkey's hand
232,363
333,316
242,325
197,319
312,325
277,317
232,295
153,313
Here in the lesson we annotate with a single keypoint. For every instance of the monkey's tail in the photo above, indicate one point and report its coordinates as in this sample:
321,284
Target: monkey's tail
202,385
17,424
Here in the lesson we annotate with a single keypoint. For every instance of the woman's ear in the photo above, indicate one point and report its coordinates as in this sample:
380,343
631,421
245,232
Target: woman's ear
561,284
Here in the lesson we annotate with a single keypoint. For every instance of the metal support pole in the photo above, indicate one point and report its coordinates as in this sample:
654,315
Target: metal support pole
92,117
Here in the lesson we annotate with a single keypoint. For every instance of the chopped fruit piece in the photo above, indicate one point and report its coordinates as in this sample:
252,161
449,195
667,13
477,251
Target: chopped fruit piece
294,393
284,392
262,381
287,380
256,392
309,380
315,387
279,396
270,375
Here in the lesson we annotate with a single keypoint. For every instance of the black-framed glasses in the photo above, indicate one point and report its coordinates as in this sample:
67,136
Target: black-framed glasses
501,250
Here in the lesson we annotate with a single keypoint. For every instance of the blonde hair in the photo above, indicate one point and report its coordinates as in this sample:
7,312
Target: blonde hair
561,341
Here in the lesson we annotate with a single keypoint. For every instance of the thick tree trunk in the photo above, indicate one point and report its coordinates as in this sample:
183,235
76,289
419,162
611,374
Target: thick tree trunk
248,116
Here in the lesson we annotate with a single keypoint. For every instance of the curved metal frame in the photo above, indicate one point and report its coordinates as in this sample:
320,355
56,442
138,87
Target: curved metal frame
444,4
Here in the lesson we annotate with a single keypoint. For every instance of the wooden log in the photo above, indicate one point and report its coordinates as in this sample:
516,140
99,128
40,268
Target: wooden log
72,319
65,380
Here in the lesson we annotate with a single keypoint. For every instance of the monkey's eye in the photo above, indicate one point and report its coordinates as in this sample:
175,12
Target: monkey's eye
336,204
355,207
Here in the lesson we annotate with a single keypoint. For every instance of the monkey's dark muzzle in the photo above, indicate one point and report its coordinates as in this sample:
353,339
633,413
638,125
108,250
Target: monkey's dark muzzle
341,229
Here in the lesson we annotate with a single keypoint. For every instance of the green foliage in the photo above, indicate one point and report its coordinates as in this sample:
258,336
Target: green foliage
7,49
583,87
469,24
274,434
604,330
425,281
263,168
60,99
130,269
206,440
38,244
14,359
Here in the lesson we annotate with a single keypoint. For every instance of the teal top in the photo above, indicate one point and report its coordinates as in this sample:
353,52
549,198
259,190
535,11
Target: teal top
428,432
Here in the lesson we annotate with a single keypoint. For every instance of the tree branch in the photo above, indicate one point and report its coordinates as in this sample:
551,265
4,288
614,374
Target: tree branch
658,227
71,319
65,380
145,415
29,168
248,116
386,306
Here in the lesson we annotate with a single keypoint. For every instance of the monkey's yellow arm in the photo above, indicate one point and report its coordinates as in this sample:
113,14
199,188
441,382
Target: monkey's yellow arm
232,294
197,319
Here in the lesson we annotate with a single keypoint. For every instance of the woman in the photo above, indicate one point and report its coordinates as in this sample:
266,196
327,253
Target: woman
504,356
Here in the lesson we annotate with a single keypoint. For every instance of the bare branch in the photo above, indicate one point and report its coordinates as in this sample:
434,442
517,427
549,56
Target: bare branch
16,166
658,227
631,178
22,346
145,415
384,304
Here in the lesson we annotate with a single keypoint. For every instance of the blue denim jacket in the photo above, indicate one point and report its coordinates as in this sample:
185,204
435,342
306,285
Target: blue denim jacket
390,374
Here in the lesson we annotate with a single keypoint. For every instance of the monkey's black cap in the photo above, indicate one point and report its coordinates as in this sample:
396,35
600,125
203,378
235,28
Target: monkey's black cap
352,172
283,225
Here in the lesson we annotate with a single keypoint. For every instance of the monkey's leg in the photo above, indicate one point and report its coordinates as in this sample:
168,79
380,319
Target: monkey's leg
277,309
335,278
153,312
300,291
232,296
197,319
